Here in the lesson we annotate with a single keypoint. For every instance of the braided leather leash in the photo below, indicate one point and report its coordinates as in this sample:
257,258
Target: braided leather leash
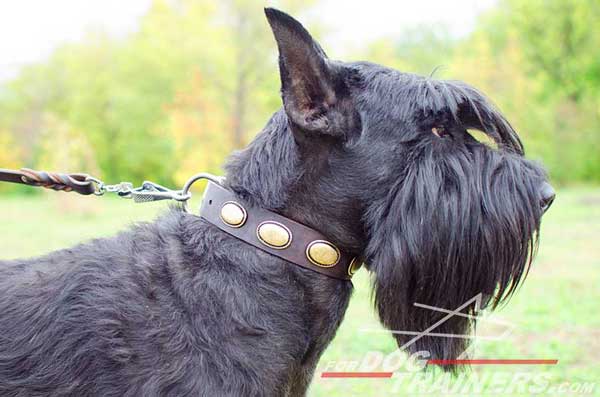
86,185
79,183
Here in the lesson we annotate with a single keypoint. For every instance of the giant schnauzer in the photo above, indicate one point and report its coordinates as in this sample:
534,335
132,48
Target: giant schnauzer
378,161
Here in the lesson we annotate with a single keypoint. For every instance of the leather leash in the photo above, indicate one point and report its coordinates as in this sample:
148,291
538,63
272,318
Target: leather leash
79,183
86,185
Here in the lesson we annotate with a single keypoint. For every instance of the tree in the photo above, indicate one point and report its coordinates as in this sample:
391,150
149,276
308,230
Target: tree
560,40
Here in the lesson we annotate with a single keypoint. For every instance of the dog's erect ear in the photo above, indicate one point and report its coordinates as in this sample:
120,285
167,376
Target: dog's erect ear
310,86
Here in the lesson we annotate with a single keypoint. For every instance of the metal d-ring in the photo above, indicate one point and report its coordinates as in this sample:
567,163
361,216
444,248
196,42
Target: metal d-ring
203,175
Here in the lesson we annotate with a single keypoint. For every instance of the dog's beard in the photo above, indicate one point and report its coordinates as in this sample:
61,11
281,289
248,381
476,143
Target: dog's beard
456,225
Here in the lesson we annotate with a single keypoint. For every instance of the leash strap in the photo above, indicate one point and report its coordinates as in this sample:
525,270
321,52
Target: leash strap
267,231
79,183
86,185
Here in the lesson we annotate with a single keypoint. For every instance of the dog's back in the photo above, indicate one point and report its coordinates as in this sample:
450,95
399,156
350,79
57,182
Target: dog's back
169,308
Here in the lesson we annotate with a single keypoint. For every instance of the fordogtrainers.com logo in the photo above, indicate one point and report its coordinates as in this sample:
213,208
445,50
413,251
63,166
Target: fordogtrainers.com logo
412,374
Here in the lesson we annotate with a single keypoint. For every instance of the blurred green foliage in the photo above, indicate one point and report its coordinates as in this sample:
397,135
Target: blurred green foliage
194,82
538,61
199,79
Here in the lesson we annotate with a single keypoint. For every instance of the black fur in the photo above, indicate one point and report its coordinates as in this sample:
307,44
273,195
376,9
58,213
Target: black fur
177,307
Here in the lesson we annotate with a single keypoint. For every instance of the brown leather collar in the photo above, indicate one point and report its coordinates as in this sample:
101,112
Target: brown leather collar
276,234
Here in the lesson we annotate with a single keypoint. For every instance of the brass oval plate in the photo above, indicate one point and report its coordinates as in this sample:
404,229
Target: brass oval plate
233,214
323,253
355,264
274,234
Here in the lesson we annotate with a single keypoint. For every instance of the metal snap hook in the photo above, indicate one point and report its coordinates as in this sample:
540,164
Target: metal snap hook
188,185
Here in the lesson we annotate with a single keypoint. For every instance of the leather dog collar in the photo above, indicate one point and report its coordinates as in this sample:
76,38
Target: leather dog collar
276,234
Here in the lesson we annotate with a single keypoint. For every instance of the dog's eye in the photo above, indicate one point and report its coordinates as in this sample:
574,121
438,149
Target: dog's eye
440,132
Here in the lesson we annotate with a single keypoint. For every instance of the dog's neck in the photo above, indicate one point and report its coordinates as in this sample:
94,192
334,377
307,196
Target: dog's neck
278,173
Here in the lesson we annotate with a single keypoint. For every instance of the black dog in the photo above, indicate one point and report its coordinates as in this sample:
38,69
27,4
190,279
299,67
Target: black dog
378,161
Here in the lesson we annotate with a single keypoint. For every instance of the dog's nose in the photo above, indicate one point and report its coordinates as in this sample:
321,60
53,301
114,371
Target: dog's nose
547,195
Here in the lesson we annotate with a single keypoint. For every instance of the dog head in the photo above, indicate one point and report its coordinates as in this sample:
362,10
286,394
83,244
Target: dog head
439,217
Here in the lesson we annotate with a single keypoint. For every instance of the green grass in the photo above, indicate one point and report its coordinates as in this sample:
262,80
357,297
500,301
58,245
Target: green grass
555,313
